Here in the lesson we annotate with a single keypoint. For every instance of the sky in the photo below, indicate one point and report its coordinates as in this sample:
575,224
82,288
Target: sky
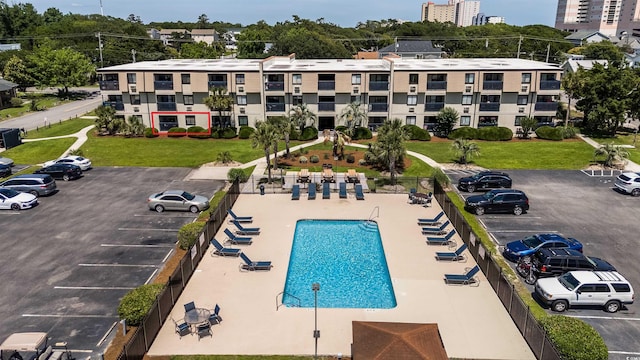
345,13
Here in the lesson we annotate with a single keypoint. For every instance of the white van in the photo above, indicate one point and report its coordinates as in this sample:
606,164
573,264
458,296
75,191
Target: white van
600,288
32,346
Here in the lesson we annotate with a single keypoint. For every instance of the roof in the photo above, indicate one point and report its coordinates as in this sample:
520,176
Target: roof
7,85
25,341
584,34
416,46
203,32
391,340
171,31
573,65
588,276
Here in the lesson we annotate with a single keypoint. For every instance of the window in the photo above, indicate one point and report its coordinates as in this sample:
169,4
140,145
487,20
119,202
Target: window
526,78
190,120
411,120
413,78
297,78
523,99
243,120
296,100
131,78
188,99
465,120
412,99
469,78
135,99
239,78
356,99
186,78
518,119
241,99
356,79
467,99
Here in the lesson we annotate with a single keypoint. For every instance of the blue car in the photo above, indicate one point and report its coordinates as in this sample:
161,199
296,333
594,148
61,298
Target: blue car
529,245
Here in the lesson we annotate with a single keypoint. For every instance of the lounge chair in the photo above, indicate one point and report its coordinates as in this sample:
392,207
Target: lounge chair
252,266
237,240
312,191
343,190
359,193
215,318
182,328
435,230
352,176
295,192
242,219
204,330
303,176
326,191
446,240
327,175
453,256
421,198
223,251
431,222
467,278
246,231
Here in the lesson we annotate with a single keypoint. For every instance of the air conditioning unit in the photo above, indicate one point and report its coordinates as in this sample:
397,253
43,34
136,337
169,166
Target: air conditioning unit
412,109
520,109
240,88
296,89
465,109
356,90
136,109
467,89
524,89
133,89
412,89
242,110
189,108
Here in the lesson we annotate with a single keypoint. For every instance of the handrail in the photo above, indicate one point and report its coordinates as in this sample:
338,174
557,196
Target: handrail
278,304
375,210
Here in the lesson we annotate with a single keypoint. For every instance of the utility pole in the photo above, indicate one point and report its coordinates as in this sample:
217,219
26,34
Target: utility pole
548,50
519,45
100,49
101,12
133,54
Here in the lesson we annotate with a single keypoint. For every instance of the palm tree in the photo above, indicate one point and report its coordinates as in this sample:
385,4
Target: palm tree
281,125
219,101
353,116
389,147
134,126
465,150
301,115
263,137
339,141
571,85
613,154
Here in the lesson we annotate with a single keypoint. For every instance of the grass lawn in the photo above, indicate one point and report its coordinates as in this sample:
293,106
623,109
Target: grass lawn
623,139
44,101
62,128
39,151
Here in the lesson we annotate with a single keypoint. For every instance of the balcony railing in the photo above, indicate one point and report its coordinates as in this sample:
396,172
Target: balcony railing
377,107
110,85
167,106
436,85
323,106
489,107
326,85
433,106
163,85
546,106
492,85
378,85
275,107
116,105
549,84
217,84
274,86
487,124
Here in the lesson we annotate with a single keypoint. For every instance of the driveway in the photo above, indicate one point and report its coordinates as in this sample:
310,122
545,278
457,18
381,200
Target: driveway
575,204
69,261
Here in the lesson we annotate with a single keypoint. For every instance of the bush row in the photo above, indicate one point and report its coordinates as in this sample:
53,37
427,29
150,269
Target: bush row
489,133
556,133
417,133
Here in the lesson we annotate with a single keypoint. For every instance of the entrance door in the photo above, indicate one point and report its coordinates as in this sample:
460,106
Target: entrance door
326,122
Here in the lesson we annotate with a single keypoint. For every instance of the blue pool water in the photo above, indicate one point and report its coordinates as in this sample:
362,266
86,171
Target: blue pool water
346,258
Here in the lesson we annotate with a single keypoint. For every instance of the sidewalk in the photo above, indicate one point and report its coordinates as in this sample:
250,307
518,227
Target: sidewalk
630,166
81,138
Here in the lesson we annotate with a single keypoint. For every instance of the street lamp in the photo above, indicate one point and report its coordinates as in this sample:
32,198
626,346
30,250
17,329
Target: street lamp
316,333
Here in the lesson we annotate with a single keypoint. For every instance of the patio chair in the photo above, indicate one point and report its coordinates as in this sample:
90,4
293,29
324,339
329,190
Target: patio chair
189,306
237,240
454,255
204,330
182,328
295,192
465,279
446,240
246,231
435,230
326,191
312,191
343,190
303,176
359,193
223,251
431,222
215,318
242,219
352,176
252,266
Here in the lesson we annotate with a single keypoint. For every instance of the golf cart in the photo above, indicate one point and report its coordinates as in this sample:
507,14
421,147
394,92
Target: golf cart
33,346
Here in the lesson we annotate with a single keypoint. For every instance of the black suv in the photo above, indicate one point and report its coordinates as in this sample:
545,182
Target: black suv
557,261
498,201
62,171
485,180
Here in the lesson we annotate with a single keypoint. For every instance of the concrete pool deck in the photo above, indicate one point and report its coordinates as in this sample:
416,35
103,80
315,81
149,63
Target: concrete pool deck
472,321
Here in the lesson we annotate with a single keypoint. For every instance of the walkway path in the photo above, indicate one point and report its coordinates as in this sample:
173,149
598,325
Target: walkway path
630,166
81,138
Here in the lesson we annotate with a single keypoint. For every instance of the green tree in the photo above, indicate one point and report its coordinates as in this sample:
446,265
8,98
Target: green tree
219,101
15,70
281,125
302,116
62,67
201,50
603,50
528,124
107,121
613,154
224,157
353,115
203,21
133,127
389,148
446,119
251,42
572,83
263,138
465,150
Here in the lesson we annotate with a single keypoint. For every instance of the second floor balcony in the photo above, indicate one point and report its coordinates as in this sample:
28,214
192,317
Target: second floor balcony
218,84
279,107
489,107
433,106
163,85
546,106
274,86
116,105
378,86
436,85
167,106
379,107
549,84
110,85
492,85
326,85
326,106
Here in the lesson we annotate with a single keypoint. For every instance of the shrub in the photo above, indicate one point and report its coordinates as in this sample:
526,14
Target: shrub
549,133
135,304
362,133
351,159
325,156
309,133
569,132
215,133
314,159
416,133
149,132
16,102
495,133
294,134
441,177
188,234
237,173
246,132
76,152
574,339
341,128
362,162
197,132
303,160
464,132
176,132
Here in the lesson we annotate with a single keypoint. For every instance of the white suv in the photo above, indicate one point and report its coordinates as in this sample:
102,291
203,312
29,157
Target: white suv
601,288
629,183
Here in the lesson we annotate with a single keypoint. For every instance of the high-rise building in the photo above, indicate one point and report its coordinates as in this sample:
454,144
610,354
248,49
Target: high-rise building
609,17
459,12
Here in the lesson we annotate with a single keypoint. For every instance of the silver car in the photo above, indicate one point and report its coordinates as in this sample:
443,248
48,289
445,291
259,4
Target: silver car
177,200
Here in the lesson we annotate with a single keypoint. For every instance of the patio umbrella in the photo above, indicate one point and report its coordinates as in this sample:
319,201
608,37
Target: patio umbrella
396,341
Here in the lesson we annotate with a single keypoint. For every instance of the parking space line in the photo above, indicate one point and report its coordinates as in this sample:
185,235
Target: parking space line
93,288
70,316
624,352
148,229
513,218
118,265
604,317
167,256
104,337
525,231
151,276
139,246
168,215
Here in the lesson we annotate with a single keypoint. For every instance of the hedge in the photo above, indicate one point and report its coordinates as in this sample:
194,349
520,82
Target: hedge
362,133
151,132
237,173
417,133
574,339
495,133
197,132
309,133
176,132
227,133
246,132
188,234
550,133
464,132
136,304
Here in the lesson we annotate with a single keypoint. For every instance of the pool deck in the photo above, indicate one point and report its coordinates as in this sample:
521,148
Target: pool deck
472,321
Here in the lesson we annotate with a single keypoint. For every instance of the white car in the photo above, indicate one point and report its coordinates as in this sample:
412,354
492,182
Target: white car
84,163
629,183
6,161
16,200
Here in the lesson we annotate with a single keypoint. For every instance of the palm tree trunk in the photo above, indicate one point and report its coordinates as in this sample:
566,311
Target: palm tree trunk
286,144
566,117
266,154
275,156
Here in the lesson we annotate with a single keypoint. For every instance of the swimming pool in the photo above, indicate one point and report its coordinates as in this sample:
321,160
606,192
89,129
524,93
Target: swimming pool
346,258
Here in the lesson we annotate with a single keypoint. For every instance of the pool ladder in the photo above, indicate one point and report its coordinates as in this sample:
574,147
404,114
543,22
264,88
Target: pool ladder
376,211
281,296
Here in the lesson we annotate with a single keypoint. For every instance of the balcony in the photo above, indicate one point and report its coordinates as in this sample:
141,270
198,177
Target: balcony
487,124
110,85
492,85
274,86
324,106
218,84
489,107
377,107
116,105
546,106
275,107
326,85
433,106
167,106
163,85
436,85
549,84
379,86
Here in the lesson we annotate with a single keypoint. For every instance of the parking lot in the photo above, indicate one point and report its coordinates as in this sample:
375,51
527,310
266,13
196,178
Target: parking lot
574,204
68,261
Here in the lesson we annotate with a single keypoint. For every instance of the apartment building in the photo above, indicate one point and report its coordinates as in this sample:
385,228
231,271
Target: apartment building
610,17
459,12
485,92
